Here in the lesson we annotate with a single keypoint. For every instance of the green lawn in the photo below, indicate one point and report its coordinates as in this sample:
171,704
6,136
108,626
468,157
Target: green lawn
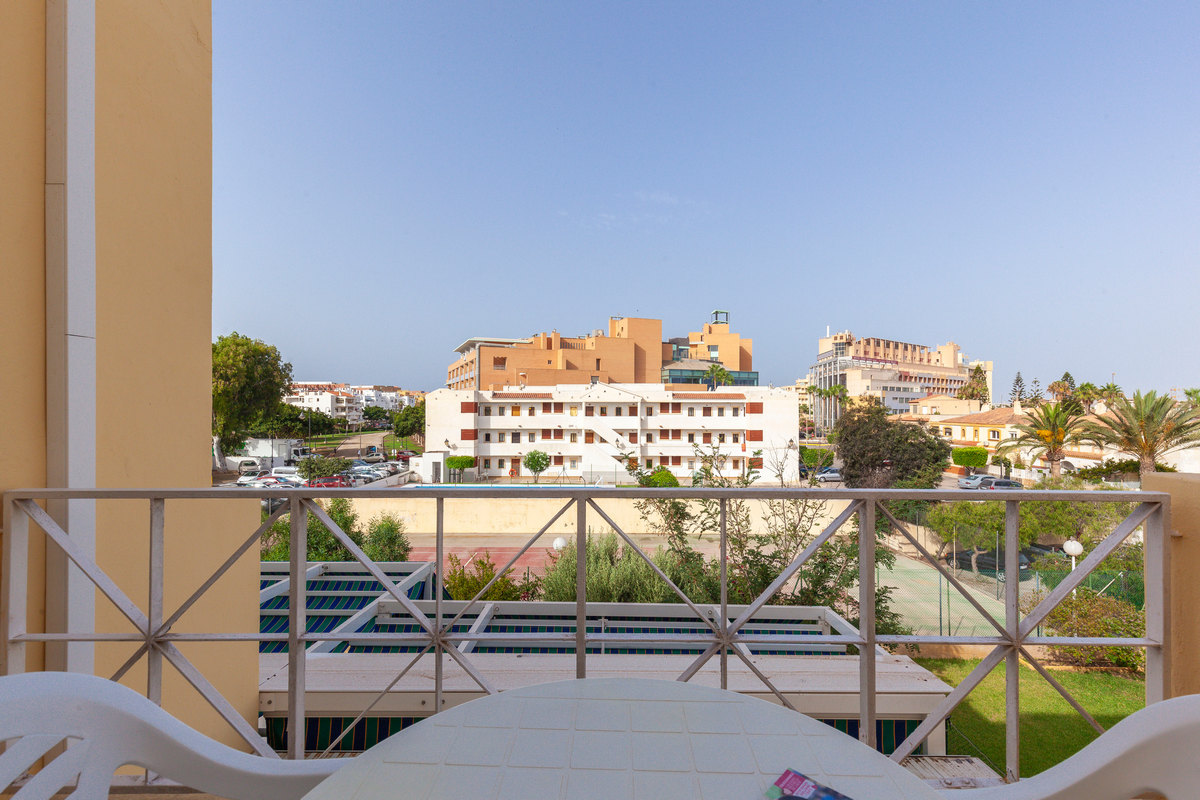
1051,730
391,442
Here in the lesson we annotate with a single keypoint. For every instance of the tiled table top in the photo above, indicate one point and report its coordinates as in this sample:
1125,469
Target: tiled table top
612,738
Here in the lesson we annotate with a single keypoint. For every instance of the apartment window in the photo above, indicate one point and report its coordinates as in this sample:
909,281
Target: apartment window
574,411
546,408
649,411
735,411
721,411
735,438
499,463
633,411
617,412
994,435
676,407
574,437
531,410
707,411
947,431
500,362
691,464
604,411
557,433
707,438
589,437
691,411
691,438
487,463
737,463
558,408
558,461
516,411
664,408
633,438
721,438
500,436
649,463
676,461
649,437
487,411
500,411
487,437
531,436
573,463
546,433
597,365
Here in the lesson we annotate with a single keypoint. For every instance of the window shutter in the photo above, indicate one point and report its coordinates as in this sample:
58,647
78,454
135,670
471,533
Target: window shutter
754,436
754,408
468,434
467,407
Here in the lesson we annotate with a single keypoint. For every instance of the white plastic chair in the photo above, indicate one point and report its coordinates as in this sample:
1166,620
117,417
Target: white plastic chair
1152,751
115,726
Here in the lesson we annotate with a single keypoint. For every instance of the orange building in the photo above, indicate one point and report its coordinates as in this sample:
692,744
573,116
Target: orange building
633,351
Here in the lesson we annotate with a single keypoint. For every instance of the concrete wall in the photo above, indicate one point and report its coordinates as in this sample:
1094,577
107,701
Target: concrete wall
150,392
1183,555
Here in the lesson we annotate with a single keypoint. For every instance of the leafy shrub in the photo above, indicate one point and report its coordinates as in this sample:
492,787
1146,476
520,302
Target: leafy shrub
617,574
1112,469
660,478
321,467
460,462
1086,613
974,457
537,462
386,539
464,580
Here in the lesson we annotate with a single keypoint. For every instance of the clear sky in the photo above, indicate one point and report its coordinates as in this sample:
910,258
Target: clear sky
1021,178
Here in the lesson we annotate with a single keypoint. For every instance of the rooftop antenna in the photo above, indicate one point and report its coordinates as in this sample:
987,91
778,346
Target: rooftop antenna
826,331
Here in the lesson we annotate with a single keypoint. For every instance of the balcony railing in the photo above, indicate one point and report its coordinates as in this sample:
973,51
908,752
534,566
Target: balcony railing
720,634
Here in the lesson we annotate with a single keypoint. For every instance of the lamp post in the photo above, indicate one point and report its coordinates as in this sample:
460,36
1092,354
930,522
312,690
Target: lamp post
1072,548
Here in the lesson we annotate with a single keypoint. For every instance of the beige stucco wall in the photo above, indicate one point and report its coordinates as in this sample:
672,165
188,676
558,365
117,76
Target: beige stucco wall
1184,556
153,154
22,268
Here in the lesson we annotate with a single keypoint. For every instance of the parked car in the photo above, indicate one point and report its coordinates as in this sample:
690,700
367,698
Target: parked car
986,560
1000,483
972,481
830,474
250,477
249,465
331,482
354,478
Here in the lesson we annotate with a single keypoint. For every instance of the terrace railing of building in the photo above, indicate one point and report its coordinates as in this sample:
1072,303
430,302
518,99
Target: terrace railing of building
1015,632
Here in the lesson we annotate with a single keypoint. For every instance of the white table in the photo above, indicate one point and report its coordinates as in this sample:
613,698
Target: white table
613,738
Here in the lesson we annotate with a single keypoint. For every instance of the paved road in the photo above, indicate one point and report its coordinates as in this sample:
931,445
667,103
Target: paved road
356,445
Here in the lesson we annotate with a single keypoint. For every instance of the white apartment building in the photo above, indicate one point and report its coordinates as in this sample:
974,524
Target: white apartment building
385,397
334,399
590,430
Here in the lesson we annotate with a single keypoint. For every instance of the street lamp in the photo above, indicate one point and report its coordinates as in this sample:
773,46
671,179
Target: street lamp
1072,548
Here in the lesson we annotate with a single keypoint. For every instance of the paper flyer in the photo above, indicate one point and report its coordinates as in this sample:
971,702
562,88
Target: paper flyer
793,784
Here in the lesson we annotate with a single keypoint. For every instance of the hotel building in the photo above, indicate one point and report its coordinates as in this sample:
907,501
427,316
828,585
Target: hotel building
633,351
893,371
591,430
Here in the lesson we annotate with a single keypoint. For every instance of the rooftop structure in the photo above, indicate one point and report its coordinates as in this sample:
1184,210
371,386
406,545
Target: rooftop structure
632,351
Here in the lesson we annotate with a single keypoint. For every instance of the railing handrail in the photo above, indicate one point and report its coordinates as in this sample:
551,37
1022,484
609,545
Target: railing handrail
1014,630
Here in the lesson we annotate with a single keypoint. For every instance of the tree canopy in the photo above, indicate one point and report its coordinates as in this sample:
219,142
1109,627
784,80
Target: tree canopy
717,374
876,451
376,414
976,386
1147,427
1050,428
410,420
537,462
249,378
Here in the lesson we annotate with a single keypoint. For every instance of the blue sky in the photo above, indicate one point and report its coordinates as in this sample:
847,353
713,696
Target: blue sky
1022,178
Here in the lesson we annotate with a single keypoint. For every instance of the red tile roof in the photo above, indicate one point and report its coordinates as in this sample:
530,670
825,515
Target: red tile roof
521,395
707,396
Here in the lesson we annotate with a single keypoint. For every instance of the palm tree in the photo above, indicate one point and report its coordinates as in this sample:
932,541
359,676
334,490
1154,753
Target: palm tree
1048,430
1110,393
1059,389
717,374
1087,393
1146,427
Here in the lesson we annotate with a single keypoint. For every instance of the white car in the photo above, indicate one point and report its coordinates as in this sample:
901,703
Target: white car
251,477
971,481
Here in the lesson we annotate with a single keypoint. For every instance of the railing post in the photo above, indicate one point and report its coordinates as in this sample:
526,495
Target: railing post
297,625
724,594
866,623
154,657
1156,580
437,606
14,583
1012,624
580,588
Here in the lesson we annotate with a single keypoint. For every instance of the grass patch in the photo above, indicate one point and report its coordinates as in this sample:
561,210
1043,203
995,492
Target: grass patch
393,442
1051,731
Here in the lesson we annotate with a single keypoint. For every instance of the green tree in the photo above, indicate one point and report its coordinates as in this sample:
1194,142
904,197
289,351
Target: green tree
1018,389
386,539
376,414
1049,429
717,374
1147,427
973,526
1087,393
976,386
537,462
1193,397
249,379
322,545
322,467
1063,519
465,579
969,457
876,450
410,420
291,422
1035,393
1111,393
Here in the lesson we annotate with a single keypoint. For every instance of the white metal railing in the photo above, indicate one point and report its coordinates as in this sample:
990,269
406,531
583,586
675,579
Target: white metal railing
720,634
